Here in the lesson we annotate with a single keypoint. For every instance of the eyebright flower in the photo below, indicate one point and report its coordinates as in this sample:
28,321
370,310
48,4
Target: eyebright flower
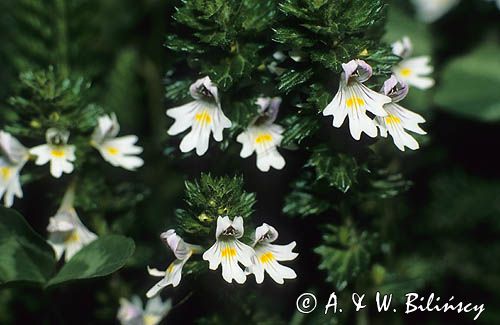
431,10
132,313
229,251
172,275
399,118
57,151
203,115
268,255
263,136
353,99
413,71
13,157
119,152
67,234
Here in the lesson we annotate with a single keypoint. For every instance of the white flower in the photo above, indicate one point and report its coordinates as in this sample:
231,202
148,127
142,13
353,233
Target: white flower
172,275
229,251
119,152
57,151
353,99
132,313
431,10
267,256
264,137
203,115
13,157
67,234
414,71
399,118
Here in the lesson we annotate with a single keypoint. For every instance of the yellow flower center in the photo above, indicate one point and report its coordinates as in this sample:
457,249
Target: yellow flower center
228,252
391,119
355,102
263,137
112,150
267,257
57,153
72,238
203,117
170,268
5,172
150,319
405,72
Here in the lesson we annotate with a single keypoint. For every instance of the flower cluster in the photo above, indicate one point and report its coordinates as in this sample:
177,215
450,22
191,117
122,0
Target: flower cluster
118,151
354,100
204,116
259,257
412,70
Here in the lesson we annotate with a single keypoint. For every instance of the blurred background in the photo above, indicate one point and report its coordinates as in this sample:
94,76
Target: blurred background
442,233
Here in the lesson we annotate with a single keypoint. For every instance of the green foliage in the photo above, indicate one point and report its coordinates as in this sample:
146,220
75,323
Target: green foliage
210,197
345,253
469,86
340,170
52,32
24,255
322,28
297,129
306,199
103,256
122,94
225,37
46,99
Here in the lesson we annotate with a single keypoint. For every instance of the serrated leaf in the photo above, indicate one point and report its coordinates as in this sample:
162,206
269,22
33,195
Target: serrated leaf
344,254
24,255
293,78
103,256
178,90
339,170
292,37
303,204
298,128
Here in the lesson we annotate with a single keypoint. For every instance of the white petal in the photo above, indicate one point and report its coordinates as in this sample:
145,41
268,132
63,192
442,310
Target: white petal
283,252
244,253
237,224
279,272
258,270
222,224
247,144
157,287
220,122
420,82
56,167
156,272
213,256
337,106
43,154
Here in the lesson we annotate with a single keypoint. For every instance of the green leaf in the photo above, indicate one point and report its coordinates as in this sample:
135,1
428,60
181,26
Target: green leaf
344,253
339,170
469,84
298,128
293,78
24,255
101,257
304,200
